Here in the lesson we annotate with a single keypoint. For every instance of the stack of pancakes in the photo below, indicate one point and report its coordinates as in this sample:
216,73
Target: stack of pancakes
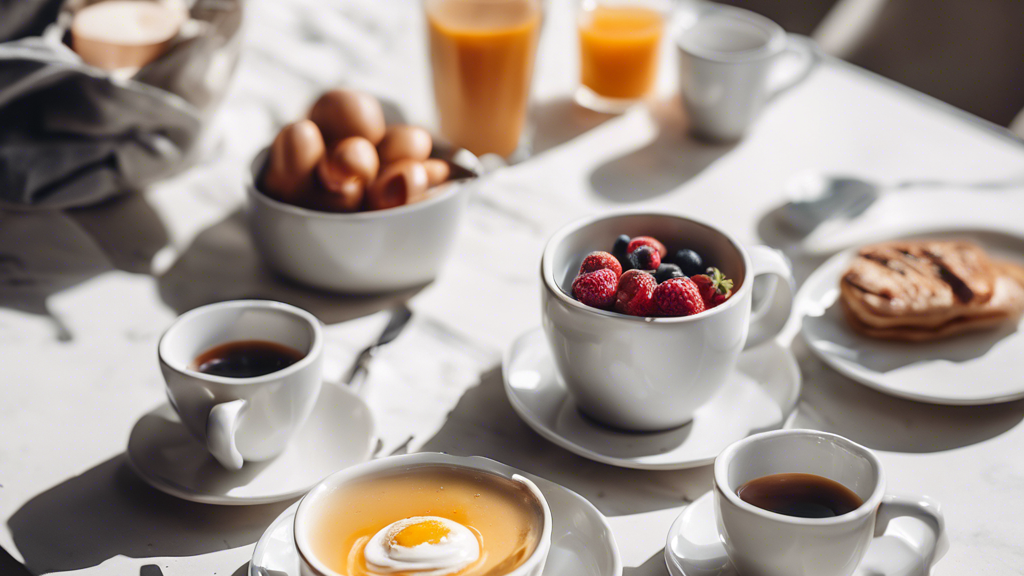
929,289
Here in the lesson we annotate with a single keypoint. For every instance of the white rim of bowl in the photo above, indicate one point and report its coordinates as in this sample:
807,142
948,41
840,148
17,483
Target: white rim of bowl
315,347
452,188
868,507
775,43
550,284
418,460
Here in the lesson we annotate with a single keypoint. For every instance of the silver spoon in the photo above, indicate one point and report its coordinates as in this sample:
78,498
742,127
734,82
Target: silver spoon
817,198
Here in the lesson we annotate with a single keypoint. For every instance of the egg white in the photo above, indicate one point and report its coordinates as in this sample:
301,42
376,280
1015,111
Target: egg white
454,552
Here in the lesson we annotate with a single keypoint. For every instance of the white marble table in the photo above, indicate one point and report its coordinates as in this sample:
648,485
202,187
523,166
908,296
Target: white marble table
85,295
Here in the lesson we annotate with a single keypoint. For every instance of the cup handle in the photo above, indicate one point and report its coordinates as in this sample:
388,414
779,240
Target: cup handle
770,315
924,509
802,48
221,425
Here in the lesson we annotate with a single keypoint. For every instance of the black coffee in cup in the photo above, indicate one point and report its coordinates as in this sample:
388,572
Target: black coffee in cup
246,359
800,495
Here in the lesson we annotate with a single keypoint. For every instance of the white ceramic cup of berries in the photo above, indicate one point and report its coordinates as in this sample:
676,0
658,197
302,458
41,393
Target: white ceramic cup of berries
647,313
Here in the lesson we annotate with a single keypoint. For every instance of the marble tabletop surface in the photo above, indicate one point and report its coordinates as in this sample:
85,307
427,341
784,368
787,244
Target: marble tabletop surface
84,296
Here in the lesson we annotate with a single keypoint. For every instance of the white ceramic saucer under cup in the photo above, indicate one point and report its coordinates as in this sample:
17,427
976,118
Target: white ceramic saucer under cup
694,548
581,540
974,368
338,433
759,396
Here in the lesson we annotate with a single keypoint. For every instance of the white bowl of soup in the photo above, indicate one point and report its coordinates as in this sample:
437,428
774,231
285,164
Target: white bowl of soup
424,514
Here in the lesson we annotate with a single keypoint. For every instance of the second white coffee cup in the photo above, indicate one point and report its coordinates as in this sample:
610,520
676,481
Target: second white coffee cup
766,543
242,419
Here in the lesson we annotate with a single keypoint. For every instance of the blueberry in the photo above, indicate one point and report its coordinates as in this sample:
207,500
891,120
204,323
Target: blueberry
619,249
689,262
644,258
668,271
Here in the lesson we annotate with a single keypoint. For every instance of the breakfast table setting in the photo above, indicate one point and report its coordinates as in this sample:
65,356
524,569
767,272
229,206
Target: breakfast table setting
463,338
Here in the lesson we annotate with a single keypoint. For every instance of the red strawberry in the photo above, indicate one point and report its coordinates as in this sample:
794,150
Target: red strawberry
678,297
705,286
634,295
718,299
600,261
714,287
596,288
647,241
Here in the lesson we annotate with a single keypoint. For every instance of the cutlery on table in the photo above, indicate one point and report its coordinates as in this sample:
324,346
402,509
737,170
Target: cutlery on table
399,319
821,197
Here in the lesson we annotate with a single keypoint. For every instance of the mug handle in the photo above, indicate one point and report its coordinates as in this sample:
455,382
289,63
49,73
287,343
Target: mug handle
221,425
802,48
770,315
924,509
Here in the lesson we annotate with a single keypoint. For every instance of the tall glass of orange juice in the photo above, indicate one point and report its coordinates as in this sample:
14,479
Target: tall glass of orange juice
620,44
482,54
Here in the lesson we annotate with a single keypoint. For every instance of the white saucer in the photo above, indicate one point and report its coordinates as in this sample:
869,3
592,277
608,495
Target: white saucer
759,396
693,547
581,540
339,433
975,368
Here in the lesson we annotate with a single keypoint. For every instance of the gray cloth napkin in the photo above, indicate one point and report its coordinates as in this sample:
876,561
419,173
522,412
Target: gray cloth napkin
72,134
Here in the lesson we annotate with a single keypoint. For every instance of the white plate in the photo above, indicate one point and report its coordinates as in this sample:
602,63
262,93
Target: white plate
759,396
581,540
338,433
694,548
975,368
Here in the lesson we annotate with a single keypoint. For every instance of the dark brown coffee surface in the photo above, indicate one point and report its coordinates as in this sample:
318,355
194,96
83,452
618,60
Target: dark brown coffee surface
800,495
246,359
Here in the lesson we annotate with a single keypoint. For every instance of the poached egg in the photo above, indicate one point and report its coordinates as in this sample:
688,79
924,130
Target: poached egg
427,545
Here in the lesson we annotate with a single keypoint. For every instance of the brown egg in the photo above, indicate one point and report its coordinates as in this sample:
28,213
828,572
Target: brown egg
341,190
402,182
293,158
344,113
404,142
437,171
355,156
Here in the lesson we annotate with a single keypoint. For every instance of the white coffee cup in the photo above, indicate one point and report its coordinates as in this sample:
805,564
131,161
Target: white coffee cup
770,544
728,68
307,514
648,374
242,419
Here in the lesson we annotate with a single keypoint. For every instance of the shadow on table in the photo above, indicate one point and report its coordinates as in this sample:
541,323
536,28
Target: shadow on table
107,511
222,264
45,252
11,567
560,120
614,491
833,403
669,161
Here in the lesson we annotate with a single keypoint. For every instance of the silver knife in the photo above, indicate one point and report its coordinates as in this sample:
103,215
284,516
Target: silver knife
356,376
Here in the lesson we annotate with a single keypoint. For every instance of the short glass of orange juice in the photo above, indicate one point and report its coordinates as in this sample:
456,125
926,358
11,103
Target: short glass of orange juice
620,45
482,54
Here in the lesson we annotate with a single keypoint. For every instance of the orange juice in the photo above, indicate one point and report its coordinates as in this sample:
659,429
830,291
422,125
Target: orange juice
482,54
619,50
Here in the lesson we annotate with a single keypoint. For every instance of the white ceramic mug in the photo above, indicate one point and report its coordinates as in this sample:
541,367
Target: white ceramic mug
242,419
728,68
313,502
770,544
648,374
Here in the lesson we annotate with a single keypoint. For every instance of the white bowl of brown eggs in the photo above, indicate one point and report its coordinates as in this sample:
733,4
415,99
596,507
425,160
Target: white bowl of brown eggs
343,202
